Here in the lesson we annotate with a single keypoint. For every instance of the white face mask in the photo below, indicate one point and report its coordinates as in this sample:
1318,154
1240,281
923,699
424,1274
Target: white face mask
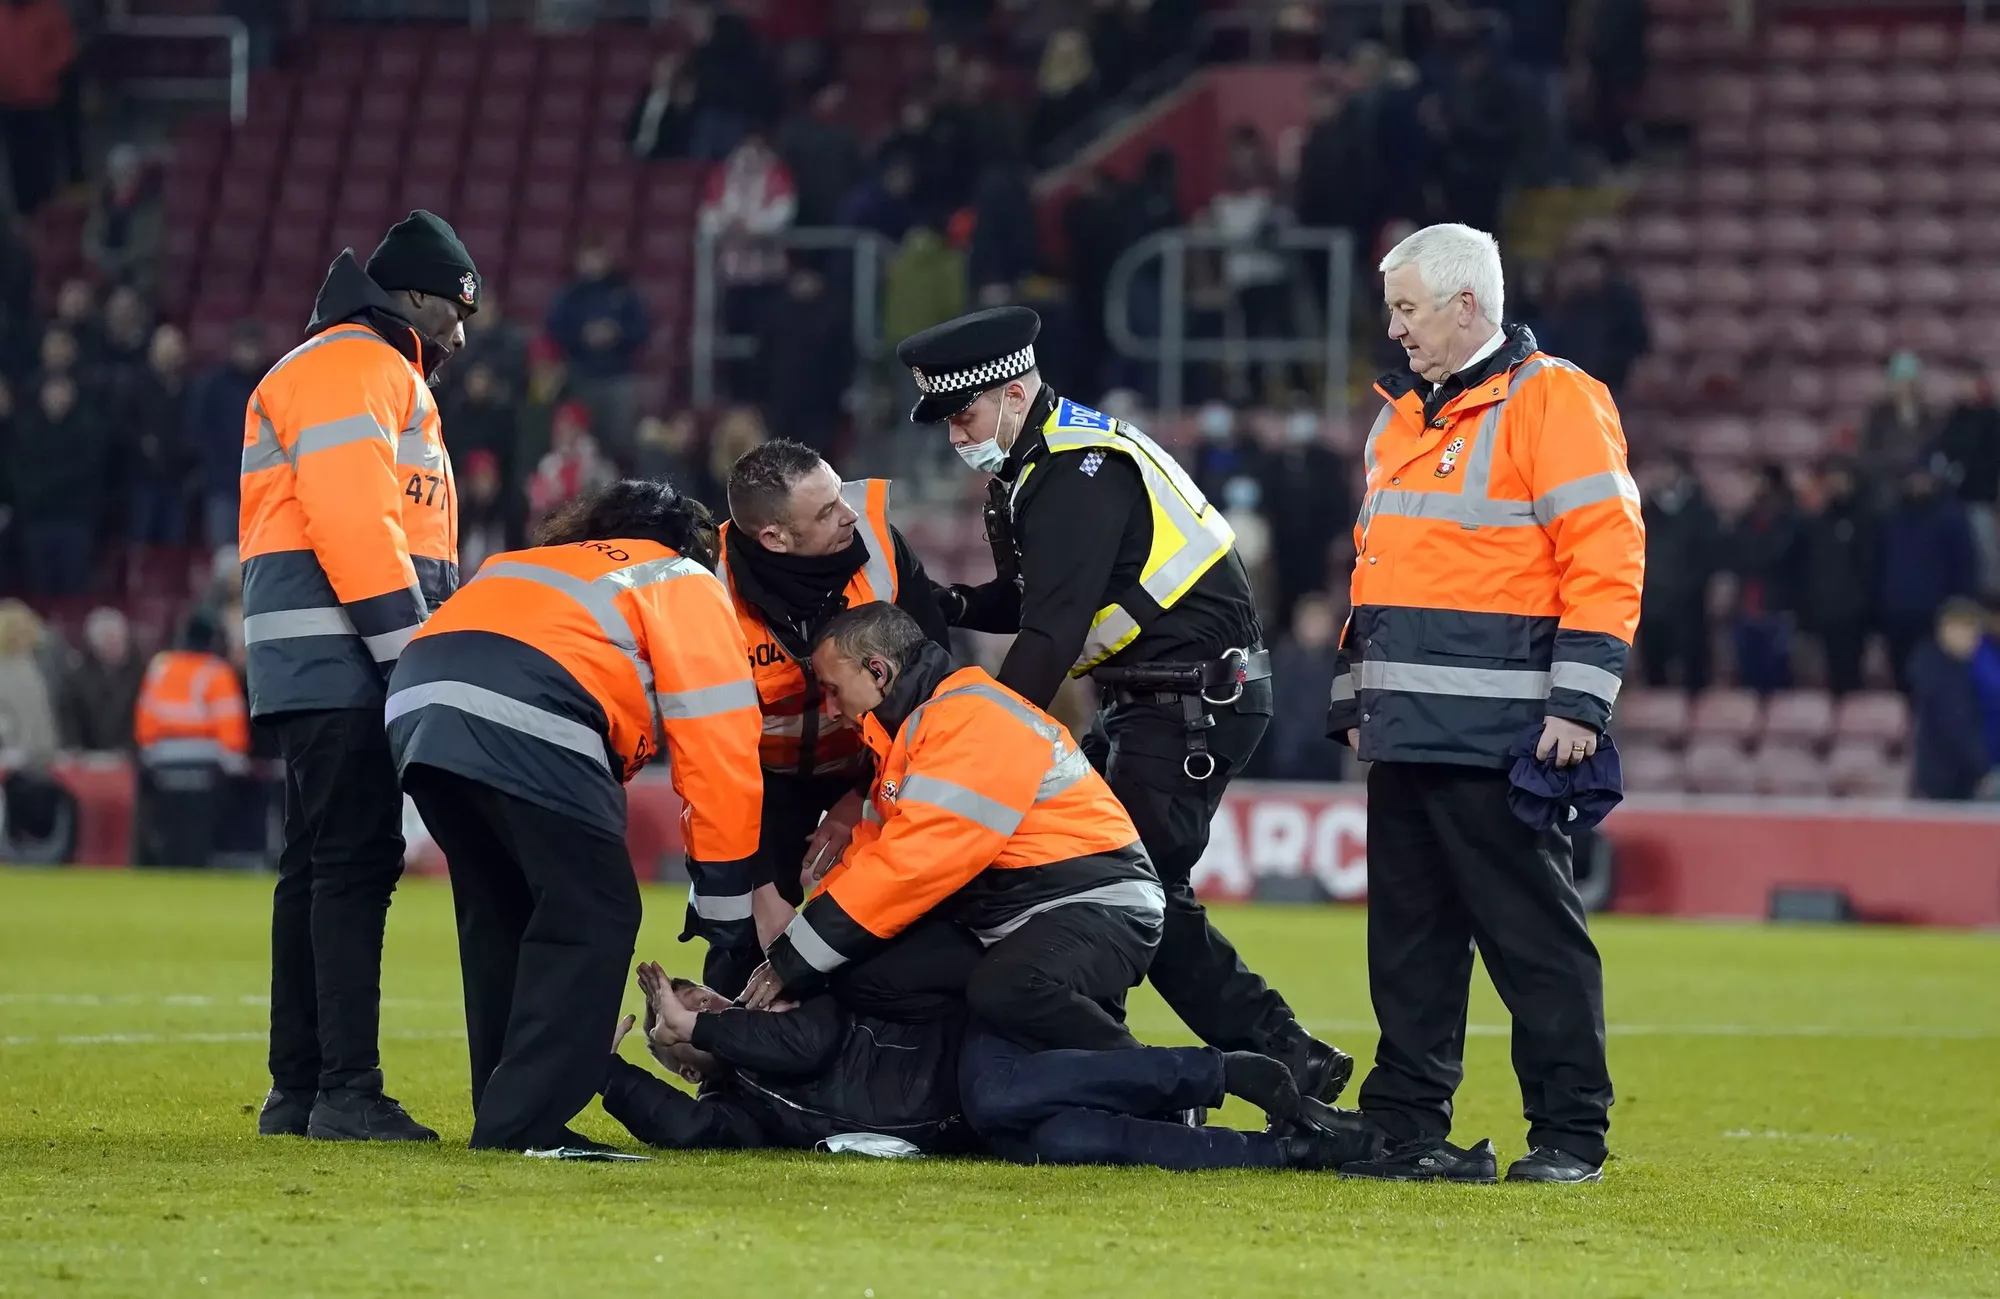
986,457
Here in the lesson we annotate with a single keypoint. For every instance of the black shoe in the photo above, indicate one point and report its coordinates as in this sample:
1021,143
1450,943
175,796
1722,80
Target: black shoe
1324,1070
1429,1161
1342,1136
285,1113
1547,1164
1263,1082
349,1115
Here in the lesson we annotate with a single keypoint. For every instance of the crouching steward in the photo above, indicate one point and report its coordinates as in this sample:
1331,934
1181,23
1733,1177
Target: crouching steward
191,729
516,717
984,810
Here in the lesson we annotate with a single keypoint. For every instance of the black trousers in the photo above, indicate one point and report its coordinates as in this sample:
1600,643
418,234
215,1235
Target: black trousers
793,806
342,857
1196,969
921,975
1450,866
175,814
548,914
1059,981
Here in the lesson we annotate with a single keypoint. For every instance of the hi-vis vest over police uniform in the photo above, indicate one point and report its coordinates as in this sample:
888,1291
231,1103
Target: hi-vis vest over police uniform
803,734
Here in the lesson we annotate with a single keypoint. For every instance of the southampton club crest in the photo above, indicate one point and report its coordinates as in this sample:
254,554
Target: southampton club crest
889,788
468,288
1449,460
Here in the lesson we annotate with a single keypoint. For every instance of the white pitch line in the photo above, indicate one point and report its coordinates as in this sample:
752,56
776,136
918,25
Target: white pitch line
1708,1030
177,999
162,1039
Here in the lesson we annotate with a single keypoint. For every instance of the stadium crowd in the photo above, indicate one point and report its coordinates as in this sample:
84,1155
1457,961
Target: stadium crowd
1834,573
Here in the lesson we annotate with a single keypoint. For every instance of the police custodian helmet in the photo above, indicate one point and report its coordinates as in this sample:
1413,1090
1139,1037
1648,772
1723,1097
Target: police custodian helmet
956,361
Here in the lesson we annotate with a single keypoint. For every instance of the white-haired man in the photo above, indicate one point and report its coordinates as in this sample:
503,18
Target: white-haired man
1499,558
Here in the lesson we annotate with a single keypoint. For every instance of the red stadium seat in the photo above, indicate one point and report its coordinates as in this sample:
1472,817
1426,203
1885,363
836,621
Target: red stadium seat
384,109
432,192
491,199
1856,43
493,156
1724,437
512,63
1790,91
1790,138
255,150
1792,44
1726,140
1978,43
315,152
324,105
562,110
1651,770
1919,137
1718,766
1725,714
528,296
550,198
1663,237
1725,236
1663,286
1982,284
1716,187
1669,331
1864,768
1787,770
1924,188
1856,235
628,64
1727,332
1976,89
1793,335
1923,331
1787,235
1802,717
1921,43
1644,714
302,199
372,154
1928,283
1855,388
1856,187
1978,139
549,151
1881,717
1858,336
1723,285
665,247
363,194
455,64
441,112
1918,89
1857,286
1927,238
1789,284
569,61
1855,139
542,249
1792,437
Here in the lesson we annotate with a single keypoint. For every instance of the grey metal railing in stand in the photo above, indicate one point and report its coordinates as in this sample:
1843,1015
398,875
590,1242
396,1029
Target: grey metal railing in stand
1172,349
192,28
707,344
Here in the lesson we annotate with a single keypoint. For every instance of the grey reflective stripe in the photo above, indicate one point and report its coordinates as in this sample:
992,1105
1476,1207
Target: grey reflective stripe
288,624
1343,687
1143,898
1583,677
680,705
183,750
871,813
651,573
880,570
1022,713
497,708
388,647
338,334
1587,490
1432,679
952,797
265,452
415,452
730,906
596,601
1452,507
338,433
1105,636
816,951
1069,771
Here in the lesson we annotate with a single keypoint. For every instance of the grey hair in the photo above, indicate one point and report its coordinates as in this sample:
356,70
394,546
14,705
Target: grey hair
873,631
1452,259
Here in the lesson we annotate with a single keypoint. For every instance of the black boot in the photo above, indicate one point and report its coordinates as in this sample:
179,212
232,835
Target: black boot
1321,1070
1429,1161
1331,1139
1263,1082
285,1113
1547,1164
350,1115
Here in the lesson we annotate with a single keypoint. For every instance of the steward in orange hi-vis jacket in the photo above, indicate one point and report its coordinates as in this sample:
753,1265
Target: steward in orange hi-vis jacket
191,729
985,811
349,540
1499,560
517,715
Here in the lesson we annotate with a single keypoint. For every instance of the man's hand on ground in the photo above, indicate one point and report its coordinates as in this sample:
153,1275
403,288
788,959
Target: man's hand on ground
1568,742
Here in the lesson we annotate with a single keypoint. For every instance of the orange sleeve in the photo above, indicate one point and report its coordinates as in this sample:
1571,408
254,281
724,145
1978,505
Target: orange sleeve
709,712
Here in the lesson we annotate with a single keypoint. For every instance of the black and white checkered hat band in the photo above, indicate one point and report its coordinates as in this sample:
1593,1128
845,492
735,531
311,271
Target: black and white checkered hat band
979,377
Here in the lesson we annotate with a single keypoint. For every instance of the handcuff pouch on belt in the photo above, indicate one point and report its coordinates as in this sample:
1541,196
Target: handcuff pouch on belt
1214,683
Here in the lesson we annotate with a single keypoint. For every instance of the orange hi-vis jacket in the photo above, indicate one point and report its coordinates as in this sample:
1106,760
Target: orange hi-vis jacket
190,710
982,807
350,515
803,735
1499,560
558,672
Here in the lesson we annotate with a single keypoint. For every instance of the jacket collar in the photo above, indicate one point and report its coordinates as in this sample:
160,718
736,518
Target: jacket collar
349,296
1518,346
1029,444
929,665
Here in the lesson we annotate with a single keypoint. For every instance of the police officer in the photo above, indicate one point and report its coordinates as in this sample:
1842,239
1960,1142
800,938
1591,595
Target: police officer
1110,563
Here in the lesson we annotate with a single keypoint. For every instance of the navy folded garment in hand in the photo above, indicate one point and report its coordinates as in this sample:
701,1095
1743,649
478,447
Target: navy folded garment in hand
1575,797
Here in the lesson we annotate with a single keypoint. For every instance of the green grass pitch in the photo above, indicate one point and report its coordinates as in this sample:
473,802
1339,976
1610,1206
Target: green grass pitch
1801,1111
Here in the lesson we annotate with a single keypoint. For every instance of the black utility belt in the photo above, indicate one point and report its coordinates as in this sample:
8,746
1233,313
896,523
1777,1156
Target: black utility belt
1217,681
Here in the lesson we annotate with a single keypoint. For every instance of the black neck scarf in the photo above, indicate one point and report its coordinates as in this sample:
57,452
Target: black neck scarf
797,594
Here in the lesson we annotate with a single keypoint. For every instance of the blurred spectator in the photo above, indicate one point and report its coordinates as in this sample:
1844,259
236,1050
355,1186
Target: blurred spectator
809,343
222,595
1597,320
1842,543
481,416
28,735
670,449
76,312
662,122
97,697
482,510
734,91
738,431
128,335
1226,450
910,142
1764,553
1970,445
37,47
966,124
1242,497
1683,551
548,388
1093,227
1954,683
19,324
1246,212
1928,557
824,156
154,428
750,199
1309,505
9,533
121,238
1066,92
1474,123
220,398
497,341
600,323
957,22
1301,679
62,463
573,465
925,284
1004,249
885,202
1538,43
1898,428
1615,55
1342,177
60,354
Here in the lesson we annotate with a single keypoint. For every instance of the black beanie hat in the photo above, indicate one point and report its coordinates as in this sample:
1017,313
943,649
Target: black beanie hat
423,252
